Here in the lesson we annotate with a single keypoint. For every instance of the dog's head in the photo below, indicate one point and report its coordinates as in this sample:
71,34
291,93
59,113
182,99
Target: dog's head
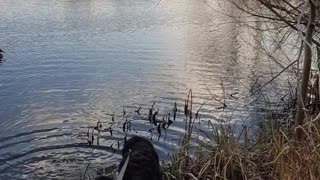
143,161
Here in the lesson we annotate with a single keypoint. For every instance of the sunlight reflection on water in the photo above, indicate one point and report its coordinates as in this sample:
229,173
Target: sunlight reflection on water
70,63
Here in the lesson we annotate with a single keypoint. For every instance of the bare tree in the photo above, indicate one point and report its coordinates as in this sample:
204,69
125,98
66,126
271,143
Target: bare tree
299,119
300,16
286,13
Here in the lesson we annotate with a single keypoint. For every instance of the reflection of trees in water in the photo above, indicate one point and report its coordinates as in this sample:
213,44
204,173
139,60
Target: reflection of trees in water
281,18
265,49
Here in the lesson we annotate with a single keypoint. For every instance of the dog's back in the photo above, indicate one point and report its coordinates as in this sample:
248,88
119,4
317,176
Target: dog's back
143,161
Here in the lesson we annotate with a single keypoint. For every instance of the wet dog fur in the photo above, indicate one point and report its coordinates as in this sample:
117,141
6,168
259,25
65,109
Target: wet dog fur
143,161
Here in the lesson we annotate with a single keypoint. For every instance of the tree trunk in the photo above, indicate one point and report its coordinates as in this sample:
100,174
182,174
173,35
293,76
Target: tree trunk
302,96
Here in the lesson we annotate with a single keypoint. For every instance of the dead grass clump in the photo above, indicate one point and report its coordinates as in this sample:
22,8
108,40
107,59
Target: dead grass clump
266,154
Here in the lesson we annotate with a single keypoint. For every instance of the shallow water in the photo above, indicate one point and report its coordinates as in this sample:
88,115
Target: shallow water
70,63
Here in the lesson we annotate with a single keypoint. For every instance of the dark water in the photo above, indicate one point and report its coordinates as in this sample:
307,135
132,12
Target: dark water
70,63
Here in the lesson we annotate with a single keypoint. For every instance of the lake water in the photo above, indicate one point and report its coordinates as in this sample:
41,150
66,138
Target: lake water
70,63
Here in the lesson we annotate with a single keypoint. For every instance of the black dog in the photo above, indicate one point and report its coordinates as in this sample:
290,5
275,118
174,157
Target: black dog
143,160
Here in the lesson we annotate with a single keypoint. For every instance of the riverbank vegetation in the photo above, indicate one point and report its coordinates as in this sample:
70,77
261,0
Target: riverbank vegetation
269,152
274,150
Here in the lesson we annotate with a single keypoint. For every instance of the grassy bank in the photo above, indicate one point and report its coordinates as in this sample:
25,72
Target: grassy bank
271,152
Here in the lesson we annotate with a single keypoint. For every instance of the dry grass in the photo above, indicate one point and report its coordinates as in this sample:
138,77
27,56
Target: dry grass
269,152
274,154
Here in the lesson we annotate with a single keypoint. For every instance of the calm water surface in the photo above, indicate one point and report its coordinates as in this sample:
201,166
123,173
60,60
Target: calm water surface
70,63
